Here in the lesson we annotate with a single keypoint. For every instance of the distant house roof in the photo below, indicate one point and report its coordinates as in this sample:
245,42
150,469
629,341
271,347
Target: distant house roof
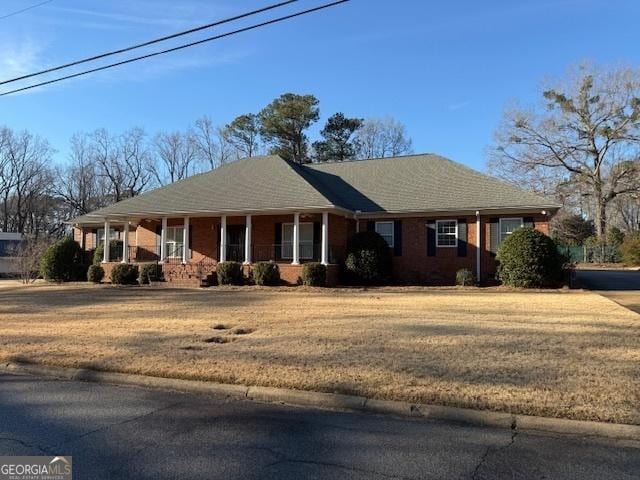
415,183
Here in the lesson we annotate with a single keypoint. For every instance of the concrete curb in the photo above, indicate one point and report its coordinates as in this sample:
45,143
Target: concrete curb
338,402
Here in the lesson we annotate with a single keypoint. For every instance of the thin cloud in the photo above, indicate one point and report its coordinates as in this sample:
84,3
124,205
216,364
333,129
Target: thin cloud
19,58
458,106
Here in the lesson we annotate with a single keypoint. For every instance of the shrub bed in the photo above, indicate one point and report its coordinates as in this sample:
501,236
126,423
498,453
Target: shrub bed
368,259
266,273
229,273
64,261
630,249
529,259
114,246
314,274
124,274
150,272
95,273
464,277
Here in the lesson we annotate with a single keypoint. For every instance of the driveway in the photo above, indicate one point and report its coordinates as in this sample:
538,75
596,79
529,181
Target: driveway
621,286
126,432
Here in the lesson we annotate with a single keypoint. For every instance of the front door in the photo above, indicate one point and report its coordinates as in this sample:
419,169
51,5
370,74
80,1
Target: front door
235,243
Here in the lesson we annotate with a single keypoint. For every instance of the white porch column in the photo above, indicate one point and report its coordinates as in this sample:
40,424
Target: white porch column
185,241
478,246
105,255
223,238
296,239
125,242
247,240
163,240
324,256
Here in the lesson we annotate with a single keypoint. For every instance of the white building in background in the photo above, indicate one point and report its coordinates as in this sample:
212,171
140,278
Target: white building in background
8,241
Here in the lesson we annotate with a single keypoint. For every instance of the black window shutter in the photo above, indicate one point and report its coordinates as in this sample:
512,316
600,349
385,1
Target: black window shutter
397,238
462,237
371,226
278,242
528,222
431,238
190,233
494,234
317,240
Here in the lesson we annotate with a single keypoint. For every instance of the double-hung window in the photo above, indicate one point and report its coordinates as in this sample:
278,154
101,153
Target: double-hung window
305,237
113,234
508,226
174,242
446,233
385,230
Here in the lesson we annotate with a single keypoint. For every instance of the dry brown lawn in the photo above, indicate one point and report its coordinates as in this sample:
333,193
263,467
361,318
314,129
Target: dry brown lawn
559,353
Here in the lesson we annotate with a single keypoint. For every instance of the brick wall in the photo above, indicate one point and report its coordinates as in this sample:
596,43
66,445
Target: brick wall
413,266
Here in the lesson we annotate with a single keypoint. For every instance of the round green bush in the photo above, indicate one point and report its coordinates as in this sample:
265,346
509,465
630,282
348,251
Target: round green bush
630,249
368,259
95,273
114,246
124,274
64,261
314,274
229,273
464,277
529,259
266,273
150,272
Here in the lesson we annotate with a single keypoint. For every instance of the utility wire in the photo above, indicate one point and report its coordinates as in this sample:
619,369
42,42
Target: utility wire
24,9
180,47
150,42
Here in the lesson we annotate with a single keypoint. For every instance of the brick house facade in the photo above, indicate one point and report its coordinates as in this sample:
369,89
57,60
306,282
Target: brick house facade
323,206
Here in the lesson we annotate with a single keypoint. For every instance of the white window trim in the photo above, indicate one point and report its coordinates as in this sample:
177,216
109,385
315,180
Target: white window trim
393,231
456,233
290,257
173,242
508,218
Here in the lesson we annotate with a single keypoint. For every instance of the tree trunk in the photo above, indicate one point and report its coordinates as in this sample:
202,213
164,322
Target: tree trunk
601,218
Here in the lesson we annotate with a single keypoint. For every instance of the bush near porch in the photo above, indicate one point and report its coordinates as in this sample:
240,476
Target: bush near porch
557,353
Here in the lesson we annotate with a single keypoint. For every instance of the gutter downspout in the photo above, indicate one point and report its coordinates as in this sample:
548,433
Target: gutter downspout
478,246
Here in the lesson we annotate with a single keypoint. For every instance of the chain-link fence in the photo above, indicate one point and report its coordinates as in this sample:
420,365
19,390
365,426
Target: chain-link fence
594,254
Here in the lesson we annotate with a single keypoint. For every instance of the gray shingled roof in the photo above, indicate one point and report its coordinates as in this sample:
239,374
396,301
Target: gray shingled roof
415,183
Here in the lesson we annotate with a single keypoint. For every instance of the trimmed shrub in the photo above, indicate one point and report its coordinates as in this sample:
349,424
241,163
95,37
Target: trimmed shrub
95,273
124,274
266,273
615,237
64,261
464,277
229,273
368,259
314,274
630,249
529,259
150,272
114,246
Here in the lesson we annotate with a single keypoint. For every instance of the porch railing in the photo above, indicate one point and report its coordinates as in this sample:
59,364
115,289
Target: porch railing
235,252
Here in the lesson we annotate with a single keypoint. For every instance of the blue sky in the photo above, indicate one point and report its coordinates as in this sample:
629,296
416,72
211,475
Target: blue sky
445,69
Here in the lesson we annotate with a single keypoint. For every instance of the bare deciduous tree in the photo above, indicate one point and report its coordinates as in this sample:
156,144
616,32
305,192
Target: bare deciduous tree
26,257
586,135
123,161
212,143
382,137
176,157
79,184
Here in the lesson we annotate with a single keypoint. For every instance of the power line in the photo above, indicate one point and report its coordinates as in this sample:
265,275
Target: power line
180,47
25,9
150,42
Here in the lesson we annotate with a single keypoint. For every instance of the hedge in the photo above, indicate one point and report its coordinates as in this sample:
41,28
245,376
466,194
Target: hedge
229,273
64,261
266,273
529,259
124,274
368,259
314,274
95,273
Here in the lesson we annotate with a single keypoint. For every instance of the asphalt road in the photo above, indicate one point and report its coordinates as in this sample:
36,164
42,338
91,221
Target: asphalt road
609,280
117,432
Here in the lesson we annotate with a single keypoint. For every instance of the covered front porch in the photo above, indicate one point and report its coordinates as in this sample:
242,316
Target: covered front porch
190,247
